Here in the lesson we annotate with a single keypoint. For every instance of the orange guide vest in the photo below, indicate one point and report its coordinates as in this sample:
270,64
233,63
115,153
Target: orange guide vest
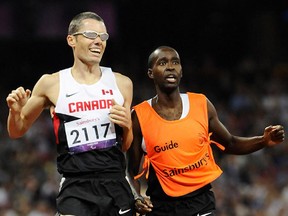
179,150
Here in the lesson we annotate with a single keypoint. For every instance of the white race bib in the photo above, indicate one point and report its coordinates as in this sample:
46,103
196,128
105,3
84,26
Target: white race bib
89,134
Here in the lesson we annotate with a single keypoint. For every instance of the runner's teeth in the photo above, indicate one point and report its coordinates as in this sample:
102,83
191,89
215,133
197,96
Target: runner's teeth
95,50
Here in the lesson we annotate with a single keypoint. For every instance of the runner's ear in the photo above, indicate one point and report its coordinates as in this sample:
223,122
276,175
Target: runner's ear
150,74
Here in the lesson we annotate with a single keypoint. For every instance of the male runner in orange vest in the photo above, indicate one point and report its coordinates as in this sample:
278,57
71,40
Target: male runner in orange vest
174,131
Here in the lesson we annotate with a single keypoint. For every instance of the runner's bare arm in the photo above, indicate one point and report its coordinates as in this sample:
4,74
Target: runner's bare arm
25,107
121,115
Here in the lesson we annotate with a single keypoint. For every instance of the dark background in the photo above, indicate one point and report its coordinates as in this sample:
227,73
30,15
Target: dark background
235,52
222,33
